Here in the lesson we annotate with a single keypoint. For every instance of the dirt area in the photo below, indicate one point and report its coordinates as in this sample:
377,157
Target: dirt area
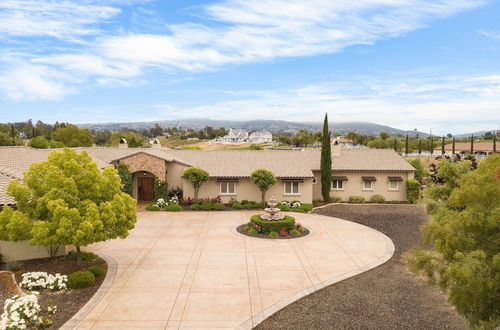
387,297
68,302
241,229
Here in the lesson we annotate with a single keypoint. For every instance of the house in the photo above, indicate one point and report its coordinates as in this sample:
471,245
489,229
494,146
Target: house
261,137
343,141
235,136
355,172
481,149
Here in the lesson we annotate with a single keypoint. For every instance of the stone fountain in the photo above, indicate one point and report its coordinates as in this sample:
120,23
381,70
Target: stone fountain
272,212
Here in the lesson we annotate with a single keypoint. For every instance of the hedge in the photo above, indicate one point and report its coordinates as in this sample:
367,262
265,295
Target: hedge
356,199
173,208
377,199
267,226
98,271
80,280
412,191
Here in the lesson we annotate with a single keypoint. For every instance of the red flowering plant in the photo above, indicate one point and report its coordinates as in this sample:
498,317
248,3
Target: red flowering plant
283,232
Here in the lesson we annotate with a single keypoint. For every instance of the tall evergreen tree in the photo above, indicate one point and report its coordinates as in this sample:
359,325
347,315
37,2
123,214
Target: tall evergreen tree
495,143
326,162
472,144
395,144
453,146
432,145
406,144
442,146
419,147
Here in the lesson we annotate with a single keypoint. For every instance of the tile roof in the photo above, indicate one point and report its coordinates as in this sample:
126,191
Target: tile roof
5,199
465,146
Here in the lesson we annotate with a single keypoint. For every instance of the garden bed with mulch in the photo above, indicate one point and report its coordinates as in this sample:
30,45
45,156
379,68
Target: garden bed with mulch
387,297
241,229
68,302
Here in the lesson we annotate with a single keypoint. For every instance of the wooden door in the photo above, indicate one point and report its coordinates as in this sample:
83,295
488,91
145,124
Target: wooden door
145,188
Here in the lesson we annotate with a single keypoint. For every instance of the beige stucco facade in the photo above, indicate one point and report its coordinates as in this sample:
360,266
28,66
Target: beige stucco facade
245,189
13,251
354,186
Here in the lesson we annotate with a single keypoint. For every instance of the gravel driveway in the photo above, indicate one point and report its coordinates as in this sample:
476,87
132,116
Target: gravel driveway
387,297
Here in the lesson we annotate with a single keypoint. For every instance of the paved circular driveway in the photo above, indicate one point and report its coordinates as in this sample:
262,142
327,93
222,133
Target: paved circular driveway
192,270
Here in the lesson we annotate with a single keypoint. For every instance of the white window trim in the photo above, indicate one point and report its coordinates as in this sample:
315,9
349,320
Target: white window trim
227,194
394,189
291,194
338,189
367,189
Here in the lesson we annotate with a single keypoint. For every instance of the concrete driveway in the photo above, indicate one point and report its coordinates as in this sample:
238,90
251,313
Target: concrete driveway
193,270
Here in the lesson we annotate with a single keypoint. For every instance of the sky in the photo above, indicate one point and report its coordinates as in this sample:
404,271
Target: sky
424,64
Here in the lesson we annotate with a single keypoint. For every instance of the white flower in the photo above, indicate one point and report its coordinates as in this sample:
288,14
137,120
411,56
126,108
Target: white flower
296,205
18,311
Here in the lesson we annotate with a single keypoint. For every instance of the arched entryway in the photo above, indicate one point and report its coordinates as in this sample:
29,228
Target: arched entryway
144,183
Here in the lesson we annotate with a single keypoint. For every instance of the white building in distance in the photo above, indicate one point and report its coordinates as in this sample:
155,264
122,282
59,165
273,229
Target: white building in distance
261,137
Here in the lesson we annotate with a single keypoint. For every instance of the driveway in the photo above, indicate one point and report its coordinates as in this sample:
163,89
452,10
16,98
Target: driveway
193,270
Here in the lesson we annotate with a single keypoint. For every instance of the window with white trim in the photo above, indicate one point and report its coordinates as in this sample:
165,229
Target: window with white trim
367,185
337,184
292,188
227,188
393,185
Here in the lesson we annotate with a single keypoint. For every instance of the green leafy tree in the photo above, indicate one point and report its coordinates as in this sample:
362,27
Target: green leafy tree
196,176
420,171
264,179
72,136
5,140
463,252
126,178
412,191
384,135
69,201
326,162
134,140
39,142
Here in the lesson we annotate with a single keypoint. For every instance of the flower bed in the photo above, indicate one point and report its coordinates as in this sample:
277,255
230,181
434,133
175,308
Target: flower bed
37,281
171,205
20,311
285,228
294,206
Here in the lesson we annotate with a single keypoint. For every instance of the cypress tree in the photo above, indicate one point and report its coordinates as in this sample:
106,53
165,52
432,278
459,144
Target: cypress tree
13,134
406,144
326,162
419,146
442,146
395,144
432,146
472,144
495,143
453,146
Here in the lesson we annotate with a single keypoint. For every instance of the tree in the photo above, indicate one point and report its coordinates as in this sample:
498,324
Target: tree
419,147
432,145
384,135
263,179
442,146
420,171
472,144
134,140
102,138
462,254
449,135
396,145
406,145
453,146
5,140
495,143
73,136
196,176
326,162
69,201
39,142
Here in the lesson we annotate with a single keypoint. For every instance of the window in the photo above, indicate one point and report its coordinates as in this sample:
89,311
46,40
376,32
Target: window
337,184
393,185
367,185
291,188
227,188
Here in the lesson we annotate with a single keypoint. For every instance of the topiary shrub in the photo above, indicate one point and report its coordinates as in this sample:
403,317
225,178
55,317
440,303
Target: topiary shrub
97,271
173,208
80,280
218,206
194,207
412,191
267,226
356,199
377,199
206,206
153,207
335,199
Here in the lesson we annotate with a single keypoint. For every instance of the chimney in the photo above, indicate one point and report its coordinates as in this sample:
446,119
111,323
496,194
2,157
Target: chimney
335,148
123,143
155,143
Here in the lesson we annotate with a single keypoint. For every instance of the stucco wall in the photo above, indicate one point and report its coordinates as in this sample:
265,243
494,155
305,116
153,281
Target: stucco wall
354,186
148,163
245,189
174,175
14,251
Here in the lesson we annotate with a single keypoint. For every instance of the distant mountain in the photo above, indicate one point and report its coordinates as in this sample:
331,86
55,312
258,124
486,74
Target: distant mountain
275,126
479,133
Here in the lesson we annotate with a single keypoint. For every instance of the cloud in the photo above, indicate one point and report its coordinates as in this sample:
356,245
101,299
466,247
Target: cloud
490,34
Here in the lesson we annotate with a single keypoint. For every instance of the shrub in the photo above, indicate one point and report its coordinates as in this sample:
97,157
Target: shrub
218,206
335,199
153,207
253,231
19,312
97,271
80,280
206,206
12,266
245,201
43,323
194,207
273,234
267,226
284,207
294,232
86,256
173,208
356,199
377,199
412,191
237,206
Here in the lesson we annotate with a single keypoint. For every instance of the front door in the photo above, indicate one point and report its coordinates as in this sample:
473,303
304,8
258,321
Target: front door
145,188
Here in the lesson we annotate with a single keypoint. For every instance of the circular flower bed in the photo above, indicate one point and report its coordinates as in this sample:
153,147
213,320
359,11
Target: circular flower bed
285,228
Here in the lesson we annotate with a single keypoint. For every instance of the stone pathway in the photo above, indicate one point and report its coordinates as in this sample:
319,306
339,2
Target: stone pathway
193,270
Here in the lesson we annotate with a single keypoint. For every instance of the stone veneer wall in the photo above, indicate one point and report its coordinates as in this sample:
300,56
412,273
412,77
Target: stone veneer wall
148,163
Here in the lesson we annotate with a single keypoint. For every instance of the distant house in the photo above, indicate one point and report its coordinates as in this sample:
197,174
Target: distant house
261,137
481,149
343,142
235,136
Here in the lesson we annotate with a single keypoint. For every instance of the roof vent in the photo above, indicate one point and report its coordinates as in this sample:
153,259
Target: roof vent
123,143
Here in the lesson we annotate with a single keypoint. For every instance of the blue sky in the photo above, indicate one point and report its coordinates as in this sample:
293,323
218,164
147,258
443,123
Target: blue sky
404,63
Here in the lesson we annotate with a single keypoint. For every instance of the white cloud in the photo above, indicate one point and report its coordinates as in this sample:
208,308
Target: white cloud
490,34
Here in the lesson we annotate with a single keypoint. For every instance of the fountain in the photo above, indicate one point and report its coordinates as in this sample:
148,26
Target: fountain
272,212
